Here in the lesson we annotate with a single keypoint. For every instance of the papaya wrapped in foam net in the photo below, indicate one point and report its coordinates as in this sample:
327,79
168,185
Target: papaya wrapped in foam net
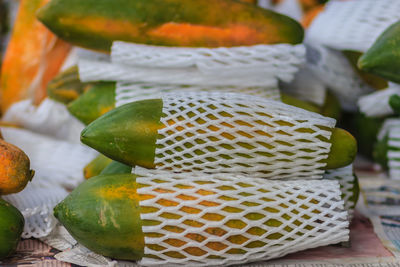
224,219
348,185
236,133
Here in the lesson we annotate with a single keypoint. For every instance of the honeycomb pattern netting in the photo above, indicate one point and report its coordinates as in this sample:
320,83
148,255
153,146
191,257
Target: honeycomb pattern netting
348,185
127,92
223,219
237,133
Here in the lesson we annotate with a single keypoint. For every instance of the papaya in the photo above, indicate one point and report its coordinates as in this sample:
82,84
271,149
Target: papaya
105,215
382,58
372,80
95,24
66,86
394,103
293,101
380,152
96,166
96,101
11,227
15,170
33,57
116,167
129,133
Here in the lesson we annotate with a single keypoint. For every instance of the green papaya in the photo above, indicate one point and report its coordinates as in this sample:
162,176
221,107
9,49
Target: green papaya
11,227
103,214
380,152
293,101
96,101
95,24
116,167
394,103
382,58
372,80
66,86
128,134
96,166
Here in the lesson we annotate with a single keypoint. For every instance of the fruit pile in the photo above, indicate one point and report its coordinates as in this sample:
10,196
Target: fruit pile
216,135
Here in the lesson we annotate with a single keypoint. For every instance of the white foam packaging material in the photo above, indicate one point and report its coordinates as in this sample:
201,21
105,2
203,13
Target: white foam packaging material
335,71
353,24
58,166
216,132
263,219
391,130
377,103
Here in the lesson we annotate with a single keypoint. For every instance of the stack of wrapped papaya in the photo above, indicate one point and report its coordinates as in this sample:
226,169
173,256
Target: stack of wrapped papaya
203,160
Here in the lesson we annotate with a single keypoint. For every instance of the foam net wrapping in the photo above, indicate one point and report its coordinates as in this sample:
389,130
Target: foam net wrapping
237,133
336,72
127,92
225,219
58,166
377,104
353,24
348,185
391,130
261,65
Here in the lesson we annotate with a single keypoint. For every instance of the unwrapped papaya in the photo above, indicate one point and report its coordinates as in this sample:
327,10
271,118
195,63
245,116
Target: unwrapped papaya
33,57
95,24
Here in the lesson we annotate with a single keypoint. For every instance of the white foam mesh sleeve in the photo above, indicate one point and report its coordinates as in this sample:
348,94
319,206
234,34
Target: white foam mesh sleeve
335,71
348,185
58,166
391,129
353,24
224,219
377,104
215,132
90,70
127,92
280,60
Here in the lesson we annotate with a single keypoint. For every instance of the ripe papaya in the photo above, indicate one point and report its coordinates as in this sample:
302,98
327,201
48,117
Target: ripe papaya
11,227
33,57
371,79
96,101
96,166
95,24
382,58
128,134
105,214
15,170
66,86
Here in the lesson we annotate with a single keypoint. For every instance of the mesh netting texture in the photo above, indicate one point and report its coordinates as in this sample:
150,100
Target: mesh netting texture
127,92
353,25
215,132
260,65
391,130
348,185
224,219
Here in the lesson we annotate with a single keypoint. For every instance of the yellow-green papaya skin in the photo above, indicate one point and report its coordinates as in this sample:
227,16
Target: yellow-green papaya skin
383,57
293,101
96,166
331,107
103,214
116,167
66,86
98,100
343,150
95,24
128,133
11,227
372,80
